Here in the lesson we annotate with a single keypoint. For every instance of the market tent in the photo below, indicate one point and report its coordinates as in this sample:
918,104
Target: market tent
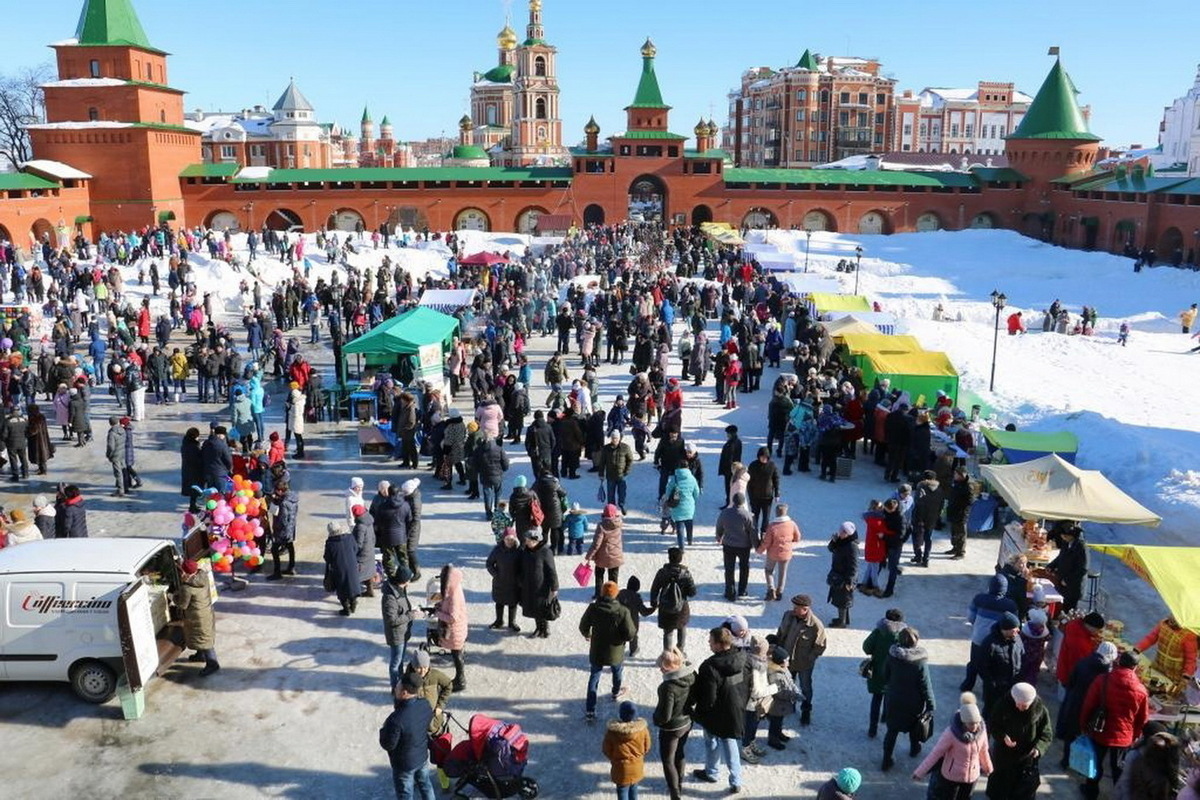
1052,488
883,321
803,283
821,302
406,334
848,324
1021,446
1170,570
483,259
722,232
875,342
921,373
447,300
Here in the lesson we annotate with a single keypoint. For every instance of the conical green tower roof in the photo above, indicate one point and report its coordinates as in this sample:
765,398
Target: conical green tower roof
808,62
1054,113
648,94
111,22
366,115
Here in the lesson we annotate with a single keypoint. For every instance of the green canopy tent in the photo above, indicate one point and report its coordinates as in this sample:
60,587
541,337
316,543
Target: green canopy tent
1021,446
404,335
920,373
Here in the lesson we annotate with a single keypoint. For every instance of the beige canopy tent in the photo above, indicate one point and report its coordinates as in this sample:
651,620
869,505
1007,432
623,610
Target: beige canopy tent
1051,488
848,325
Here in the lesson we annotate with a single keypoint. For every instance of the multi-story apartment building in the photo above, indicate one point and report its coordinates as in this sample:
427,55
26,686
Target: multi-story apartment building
967,121
821,109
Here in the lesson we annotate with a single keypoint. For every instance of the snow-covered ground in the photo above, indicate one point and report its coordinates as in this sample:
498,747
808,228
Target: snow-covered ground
295,710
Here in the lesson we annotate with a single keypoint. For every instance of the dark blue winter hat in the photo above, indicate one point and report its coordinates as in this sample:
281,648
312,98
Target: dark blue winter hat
626,711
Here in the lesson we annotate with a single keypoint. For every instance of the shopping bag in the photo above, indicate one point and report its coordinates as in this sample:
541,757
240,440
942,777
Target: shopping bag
583,574
1083,757
600,495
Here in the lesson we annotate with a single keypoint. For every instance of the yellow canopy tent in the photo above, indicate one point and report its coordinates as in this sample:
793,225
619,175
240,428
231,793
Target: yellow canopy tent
1171,571
722,232
920,373
1052,488
876,342
848,324
820,302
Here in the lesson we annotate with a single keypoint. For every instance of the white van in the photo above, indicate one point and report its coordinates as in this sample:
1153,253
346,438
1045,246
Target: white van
89,612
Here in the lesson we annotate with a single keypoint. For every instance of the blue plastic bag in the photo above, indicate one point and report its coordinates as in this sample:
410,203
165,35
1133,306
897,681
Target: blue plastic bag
1083,757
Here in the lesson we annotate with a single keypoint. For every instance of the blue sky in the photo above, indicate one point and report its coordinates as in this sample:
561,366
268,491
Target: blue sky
414,60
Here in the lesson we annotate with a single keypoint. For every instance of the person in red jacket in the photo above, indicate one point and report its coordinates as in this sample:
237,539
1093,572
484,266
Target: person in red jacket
1126,706
1015,324
1080,637
876,549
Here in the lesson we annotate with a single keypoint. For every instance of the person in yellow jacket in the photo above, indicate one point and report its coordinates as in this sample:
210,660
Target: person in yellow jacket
180,369
1176,653
1187,318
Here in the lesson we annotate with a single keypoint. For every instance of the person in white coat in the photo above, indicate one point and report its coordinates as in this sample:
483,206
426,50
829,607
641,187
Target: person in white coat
354,497
295,419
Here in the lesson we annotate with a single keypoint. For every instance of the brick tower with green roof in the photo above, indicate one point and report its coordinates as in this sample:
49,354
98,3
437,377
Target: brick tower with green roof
1053,140
112,114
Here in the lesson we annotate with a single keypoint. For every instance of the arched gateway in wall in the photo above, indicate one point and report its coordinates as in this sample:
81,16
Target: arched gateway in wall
872,222
818,220
284,219
593,215
760,218
222,221
929,221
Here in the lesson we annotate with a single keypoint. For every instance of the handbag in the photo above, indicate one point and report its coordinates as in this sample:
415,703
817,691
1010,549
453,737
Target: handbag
1083,757
1097,721
866,668
924,727
553,609
583,574
601,497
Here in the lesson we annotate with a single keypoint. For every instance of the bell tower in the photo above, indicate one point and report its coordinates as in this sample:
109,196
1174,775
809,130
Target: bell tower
112,114
537,125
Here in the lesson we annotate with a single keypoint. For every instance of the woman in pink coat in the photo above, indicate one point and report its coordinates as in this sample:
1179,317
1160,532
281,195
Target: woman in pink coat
451,610
962,750
490,417
777,543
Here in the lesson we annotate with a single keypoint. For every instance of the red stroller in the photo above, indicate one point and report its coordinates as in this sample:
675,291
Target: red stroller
491,759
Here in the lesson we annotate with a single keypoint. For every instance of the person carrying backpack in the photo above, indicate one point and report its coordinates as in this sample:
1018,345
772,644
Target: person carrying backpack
669,592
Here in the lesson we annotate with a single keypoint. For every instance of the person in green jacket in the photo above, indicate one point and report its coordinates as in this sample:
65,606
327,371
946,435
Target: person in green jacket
607,626
876,645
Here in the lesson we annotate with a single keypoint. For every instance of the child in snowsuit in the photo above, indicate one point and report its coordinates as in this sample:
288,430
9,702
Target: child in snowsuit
577,528
783,702
502,521
631,598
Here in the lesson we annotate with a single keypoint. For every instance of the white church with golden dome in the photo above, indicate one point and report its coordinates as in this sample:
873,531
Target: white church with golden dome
515,114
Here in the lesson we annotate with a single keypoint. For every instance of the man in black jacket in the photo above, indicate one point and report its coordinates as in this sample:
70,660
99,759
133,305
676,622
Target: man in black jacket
717,702
405,737
539,444
216,459
958,508
898,431
1000,658
668,456
731,452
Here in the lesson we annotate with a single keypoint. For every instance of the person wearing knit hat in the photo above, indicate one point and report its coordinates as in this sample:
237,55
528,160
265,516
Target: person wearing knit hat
999,659
294,419
626,743
607,553
841,786
961,754
354,497
520,482
607,626
341,567
195,602
843,572
1021,730
1035,634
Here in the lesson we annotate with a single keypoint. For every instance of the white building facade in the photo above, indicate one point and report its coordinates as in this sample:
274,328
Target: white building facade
1179,133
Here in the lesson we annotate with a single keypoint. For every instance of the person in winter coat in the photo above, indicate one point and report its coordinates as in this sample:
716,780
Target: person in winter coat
783,698
491,462
958,509
283,530
552,497
454,442
682,490
504,565
1020,728
606,551
718,698
1080,637
731,453
191,470
960,754
114,452
363,531
778,544
81,425
626,743
986,609
671,717
999,659
410,494
538,581
631,598
405,737
398,615
20,530
737,535
908,695
1069,568
877,646
1151,769
1126,707
194,600
43,515
392,520
70,515
1087,670
607,626
540,443
803,636
670,591
295,419
450,609
841,786
762,490
1035,635
341,567
875,550
843,572
614,464
37,432
1176,646
928,499
216,459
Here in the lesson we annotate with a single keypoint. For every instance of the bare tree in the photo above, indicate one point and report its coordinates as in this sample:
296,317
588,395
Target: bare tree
22,102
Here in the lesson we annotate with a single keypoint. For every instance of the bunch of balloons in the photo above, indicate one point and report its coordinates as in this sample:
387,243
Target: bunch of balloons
234,526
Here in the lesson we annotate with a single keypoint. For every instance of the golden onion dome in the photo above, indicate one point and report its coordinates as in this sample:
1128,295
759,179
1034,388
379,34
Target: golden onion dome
649,50
507,39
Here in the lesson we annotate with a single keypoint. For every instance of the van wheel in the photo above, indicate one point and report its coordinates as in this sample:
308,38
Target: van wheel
93,681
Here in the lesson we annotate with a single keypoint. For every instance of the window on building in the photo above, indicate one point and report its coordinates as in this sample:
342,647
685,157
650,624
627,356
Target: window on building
824,116
799,155
844,97
923,130
879,118
906,148
93,114
802,95
864,119
539,108
490,115
94,68
953,130
908,129
880,99
162,116
229,152
821,136
879,138
150,72
539,66
812,136
862,98
800,115
825,96
844,118
970,130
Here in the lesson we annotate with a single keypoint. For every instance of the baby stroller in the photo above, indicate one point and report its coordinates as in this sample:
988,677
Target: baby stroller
491,759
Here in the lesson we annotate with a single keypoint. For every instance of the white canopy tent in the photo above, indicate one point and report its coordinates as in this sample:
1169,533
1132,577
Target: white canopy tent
447,301
802,283
1052,488
881,320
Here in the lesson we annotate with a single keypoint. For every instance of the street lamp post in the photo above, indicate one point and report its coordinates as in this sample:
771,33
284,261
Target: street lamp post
857,266
807,244
998,301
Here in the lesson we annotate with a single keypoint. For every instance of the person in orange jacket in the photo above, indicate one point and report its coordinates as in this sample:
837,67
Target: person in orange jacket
1176,653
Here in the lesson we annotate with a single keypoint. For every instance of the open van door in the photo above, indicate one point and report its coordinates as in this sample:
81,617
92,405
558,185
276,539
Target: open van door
150,643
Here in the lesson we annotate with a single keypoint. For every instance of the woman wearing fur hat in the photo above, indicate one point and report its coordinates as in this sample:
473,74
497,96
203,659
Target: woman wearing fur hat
843,571
341,567
504,565
539,582
1020,728
961,755
674,724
